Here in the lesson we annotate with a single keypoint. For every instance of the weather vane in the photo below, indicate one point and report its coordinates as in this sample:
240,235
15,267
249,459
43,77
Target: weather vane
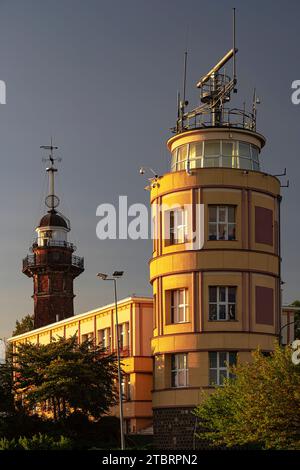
51,201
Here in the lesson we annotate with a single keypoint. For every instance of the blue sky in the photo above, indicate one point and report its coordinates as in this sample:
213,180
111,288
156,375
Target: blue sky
102,78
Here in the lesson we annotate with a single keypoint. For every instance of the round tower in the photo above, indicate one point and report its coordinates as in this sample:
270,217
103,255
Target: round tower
215,268
52,263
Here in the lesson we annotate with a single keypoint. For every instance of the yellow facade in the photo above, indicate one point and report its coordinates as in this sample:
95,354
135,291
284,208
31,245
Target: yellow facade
244,263
135,320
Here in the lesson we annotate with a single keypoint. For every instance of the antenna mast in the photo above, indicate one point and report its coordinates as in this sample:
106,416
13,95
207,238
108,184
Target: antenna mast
181,104
51,201
215,92
234,51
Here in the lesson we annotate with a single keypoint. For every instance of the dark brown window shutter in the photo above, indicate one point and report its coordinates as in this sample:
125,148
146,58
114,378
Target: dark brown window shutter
263,225
264,305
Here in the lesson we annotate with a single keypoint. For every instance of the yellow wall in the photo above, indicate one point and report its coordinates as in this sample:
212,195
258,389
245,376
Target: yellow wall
136,363
242,263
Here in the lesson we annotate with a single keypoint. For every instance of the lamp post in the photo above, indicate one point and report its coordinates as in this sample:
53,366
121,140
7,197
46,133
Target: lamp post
282,328
104,277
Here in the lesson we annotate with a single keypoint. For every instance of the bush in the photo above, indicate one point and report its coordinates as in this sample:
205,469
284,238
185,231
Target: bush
36,442
78,428
88,434
18,424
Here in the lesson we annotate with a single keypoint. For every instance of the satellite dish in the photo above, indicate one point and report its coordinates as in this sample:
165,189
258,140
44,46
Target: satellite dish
52,201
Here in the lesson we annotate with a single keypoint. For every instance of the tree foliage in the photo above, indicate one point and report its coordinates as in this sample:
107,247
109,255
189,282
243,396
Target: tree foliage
6,387
65,377
24,325
260,407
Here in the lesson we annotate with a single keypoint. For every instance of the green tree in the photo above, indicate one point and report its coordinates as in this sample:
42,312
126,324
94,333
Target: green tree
6,387
259,407
24,325
66,376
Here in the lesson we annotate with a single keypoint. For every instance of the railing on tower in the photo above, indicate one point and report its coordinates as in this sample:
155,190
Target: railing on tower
197,119
48,242
52,258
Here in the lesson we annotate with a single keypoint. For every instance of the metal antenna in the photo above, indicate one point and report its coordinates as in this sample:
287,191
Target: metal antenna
234,51
50,158
215,92
182,103
184,77
51,201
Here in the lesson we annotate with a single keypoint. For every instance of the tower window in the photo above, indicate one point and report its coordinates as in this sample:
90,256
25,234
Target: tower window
179,370
221,222
219,363
178,226
222,303
216,153
179,306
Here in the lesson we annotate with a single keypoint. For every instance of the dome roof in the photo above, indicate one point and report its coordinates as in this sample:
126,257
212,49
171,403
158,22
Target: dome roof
53,219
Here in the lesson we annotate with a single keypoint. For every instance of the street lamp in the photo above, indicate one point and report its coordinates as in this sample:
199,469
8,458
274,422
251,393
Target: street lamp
282,328
105,277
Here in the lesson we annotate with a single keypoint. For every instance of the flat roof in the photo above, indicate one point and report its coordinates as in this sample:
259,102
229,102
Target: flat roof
81,315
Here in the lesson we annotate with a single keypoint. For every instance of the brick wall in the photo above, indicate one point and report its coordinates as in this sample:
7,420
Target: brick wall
174,428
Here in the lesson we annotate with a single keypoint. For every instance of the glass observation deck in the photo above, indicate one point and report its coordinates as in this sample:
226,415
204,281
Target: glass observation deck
216,153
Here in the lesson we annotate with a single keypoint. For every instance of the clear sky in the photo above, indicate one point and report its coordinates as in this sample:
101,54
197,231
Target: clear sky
101,77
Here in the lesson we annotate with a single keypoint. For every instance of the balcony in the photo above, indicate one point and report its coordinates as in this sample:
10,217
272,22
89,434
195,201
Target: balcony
52,258
47,242
201,118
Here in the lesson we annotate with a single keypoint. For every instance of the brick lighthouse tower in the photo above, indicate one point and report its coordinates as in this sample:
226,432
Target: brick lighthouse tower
52,264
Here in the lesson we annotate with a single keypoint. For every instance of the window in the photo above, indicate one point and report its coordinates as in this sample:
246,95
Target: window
87,337
124,336
221,222
104,338
196,155
154,312
178,226
174,160
212,148
179,306
248,156
222,303
182,155
154,233
126,387
218,366
216,153
179,371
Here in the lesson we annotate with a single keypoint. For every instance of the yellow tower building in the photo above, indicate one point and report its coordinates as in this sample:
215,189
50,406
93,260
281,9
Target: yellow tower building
215,268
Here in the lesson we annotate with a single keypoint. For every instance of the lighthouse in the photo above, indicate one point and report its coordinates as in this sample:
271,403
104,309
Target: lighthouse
52,264
215,303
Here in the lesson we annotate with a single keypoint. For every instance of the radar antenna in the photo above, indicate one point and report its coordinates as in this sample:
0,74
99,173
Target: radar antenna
215,92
